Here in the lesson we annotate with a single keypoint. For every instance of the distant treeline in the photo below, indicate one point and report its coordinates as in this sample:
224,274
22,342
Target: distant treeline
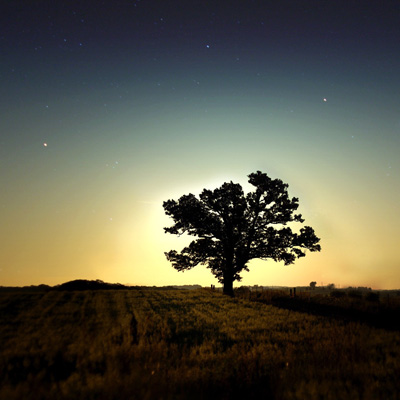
84,284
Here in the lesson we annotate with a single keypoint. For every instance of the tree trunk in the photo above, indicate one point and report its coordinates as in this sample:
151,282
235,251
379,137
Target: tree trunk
228,285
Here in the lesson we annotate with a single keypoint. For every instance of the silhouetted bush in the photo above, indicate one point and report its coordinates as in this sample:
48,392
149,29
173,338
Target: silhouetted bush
372,296
82,284
337,294
243,292
355,294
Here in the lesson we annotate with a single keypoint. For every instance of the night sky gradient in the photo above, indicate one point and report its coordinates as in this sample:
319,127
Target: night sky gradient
108,108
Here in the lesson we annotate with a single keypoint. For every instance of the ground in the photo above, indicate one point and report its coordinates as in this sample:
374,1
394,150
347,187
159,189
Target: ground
178,344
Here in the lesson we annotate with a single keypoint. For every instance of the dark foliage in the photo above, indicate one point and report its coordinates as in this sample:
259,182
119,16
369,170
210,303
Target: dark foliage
338,293
82,284
32,288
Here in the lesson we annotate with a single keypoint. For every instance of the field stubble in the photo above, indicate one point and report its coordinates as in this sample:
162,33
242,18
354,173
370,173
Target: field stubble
154,344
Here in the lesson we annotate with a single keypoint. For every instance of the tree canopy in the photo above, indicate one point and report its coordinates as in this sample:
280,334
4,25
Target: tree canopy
233,228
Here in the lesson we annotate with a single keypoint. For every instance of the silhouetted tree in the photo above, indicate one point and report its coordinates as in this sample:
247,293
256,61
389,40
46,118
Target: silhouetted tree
232,228
313,285
331,286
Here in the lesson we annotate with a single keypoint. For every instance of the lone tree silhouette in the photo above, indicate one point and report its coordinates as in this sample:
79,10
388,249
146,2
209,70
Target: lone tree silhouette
233,228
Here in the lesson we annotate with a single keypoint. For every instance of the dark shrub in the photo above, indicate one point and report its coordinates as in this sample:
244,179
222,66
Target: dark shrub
338,294
372,296
355,294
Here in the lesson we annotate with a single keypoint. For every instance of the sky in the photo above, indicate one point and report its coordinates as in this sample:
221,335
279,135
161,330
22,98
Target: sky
109,108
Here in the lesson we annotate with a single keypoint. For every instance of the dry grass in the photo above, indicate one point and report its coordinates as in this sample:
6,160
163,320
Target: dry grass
196,344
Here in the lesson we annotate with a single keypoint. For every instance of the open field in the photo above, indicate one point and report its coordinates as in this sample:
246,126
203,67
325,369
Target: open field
178,344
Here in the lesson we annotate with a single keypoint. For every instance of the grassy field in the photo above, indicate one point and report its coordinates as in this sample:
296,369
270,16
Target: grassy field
178,344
